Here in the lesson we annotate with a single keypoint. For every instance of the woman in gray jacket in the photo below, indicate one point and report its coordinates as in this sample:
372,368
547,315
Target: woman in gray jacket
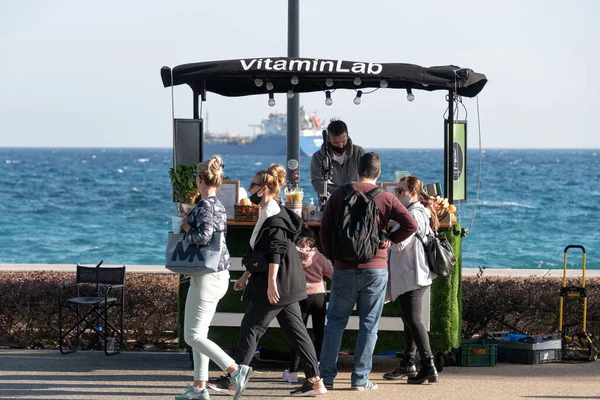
409,278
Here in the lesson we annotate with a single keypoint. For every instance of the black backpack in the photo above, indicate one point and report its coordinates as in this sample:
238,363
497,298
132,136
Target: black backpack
356,236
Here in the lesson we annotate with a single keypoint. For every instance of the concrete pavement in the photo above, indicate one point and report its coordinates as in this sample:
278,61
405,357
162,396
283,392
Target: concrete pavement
46,374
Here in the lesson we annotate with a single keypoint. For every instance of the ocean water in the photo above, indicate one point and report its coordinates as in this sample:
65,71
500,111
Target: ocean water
73,206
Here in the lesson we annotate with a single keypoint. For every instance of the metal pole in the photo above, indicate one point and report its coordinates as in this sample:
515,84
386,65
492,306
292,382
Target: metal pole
293,105
197,116
449,153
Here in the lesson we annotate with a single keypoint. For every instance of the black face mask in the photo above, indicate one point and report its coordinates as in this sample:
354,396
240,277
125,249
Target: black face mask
337,150
255,198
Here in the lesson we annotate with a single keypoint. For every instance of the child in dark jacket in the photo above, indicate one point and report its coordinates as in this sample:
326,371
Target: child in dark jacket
316,266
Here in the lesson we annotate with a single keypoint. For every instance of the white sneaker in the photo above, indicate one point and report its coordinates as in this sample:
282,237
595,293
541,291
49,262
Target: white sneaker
290,377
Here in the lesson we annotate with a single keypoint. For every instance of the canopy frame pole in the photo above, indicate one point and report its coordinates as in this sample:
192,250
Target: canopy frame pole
293,104
196,111
449,151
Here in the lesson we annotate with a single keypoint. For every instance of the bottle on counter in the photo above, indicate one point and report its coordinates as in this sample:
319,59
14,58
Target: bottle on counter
312,211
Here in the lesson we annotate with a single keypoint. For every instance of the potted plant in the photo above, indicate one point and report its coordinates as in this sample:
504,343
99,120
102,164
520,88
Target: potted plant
184,185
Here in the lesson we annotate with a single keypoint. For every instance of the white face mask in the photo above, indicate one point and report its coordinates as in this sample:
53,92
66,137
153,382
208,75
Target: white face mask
405,200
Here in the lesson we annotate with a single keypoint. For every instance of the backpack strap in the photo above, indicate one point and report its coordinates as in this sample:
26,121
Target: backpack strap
373,193
349,189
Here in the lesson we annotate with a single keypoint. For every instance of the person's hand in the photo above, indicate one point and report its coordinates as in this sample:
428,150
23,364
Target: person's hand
239,284
384,244
272,293
185,222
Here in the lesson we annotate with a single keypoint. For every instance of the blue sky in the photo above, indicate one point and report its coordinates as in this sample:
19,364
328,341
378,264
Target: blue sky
77,73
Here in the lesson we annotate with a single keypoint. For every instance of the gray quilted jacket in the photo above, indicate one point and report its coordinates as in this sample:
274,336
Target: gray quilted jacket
207,217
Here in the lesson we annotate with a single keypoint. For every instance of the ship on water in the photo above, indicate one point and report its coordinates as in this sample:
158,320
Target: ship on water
270,137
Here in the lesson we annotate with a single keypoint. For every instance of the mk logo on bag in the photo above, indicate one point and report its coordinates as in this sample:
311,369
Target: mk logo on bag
179,253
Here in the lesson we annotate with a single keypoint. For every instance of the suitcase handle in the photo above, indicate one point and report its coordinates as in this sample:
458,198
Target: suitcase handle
575,246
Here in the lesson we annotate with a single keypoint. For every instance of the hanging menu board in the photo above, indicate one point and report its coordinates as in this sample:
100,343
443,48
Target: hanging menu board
228,195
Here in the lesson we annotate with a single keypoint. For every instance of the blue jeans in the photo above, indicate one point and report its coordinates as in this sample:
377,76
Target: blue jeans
367,286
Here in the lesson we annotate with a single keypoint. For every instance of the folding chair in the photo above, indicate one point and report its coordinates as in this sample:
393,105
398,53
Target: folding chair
92,312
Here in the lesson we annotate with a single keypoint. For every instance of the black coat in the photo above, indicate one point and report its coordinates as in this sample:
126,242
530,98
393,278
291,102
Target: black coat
275,244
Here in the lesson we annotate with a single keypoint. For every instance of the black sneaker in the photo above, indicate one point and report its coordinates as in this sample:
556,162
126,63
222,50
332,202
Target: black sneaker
222,384
403,371
309,389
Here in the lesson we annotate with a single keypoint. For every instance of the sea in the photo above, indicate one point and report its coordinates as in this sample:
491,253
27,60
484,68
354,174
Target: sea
81,205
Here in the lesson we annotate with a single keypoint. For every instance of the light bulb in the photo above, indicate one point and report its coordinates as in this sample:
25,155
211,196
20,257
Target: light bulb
357,81
409,95
290,94
425,84
271,99
294,80
269,86
258,82
357,98
329,82
328,100
383,84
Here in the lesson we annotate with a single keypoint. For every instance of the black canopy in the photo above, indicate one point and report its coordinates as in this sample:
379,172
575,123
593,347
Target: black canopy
239,77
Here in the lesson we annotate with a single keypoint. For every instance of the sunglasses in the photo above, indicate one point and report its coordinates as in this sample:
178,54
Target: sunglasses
252,184
399,190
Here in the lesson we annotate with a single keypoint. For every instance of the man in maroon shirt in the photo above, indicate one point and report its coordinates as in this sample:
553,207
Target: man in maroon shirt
362,283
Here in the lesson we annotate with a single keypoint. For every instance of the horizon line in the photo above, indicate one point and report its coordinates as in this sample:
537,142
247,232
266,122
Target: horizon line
369,148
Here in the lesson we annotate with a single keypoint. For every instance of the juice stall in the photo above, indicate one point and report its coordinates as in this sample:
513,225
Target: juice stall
267,76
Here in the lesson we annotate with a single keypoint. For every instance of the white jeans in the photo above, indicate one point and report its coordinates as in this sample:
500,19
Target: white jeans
200,306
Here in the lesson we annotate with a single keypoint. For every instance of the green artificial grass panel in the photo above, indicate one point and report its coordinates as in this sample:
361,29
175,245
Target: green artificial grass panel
446,301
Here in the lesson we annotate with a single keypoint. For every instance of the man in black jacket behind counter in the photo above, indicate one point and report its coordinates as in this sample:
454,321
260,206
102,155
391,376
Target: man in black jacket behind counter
343,156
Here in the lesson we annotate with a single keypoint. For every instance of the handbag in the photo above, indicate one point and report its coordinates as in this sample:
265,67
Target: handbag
182,257
255,261
439,254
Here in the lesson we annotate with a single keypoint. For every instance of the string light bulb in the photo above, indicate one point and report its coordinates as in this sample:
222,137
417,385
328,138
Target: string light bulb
328,100
290,94
409,95
269,86
357,98
329,82
271,99
258,82
357,81
294,80
383,83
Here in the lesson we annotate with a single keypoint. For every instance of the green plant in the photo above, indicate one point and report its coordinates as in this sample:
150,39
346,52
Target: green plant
184,184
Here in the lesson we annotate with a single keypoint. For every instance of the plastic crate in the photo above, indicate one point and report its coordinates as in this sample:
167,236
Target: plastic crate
526,356
477,353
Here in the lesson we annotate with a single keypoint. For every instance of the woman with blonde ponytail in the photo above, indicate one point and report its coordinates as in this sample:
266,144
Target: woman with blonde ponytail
206,290
409,279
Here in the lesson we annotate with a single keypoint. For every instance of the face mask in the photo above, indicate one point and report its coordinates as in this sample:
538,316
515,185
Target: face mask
255,198
404,200
338,150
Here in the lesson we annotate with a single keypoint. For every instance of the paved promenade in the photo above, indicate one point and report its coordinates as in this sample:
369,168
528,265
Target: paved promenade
46,374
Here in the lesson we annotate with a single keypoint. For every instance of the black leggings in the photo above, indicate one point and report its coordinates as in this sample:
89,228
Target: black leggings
255,323
415,334
314,305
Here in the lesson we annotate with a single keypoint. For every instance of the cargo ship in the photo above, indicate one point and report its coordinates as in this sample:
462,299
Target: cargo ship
270,137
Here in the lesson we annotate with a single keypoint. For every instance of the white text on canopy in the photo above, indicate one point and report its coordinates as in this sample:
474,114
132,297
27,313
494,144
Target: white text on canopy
310,65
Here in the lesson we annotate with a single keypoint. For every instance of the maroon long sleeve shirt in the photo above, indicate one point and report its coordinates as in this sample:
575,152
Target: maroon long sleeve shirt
390,208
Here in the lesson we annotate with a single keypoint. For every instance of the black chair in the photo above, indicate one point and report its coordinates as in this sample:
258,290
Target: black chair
96,313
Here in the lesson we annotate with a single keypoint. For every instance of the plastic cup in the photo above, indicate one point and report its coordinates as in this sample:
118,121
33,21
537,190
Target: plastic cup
176,223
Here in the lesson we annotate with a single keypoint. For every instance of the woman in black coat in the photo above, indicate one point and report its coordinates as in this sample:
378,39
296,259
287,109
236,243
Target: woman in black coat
274,279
